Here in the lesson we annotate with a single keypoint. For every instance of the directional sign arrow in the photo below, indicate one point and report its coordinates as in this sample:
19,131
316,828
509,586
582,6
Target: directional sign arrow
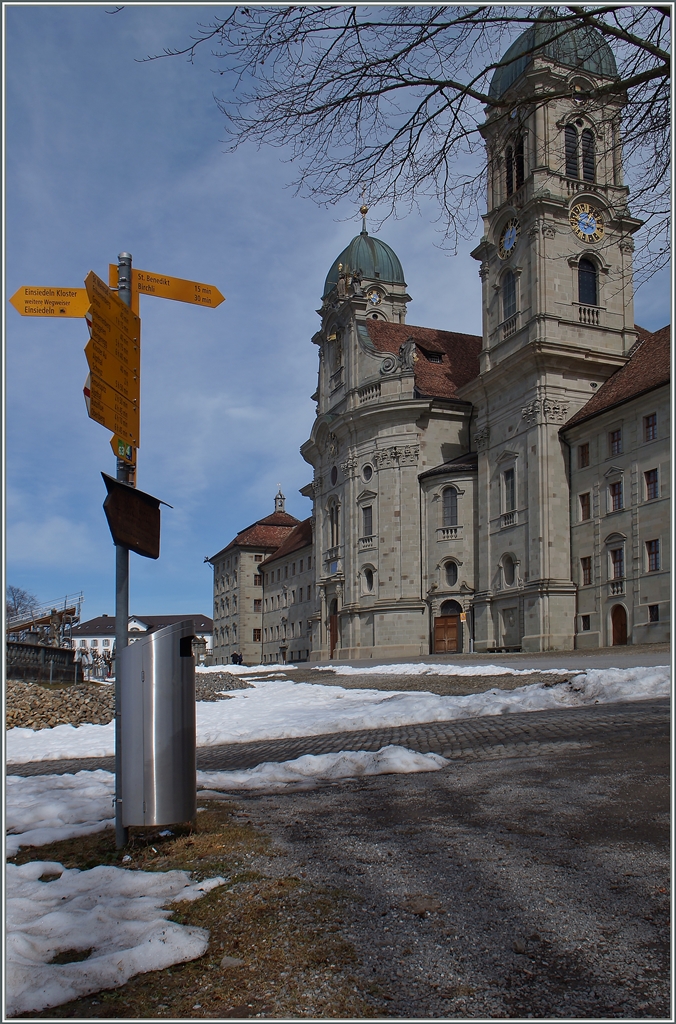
123,450
111,410
113,371
54,302
144,282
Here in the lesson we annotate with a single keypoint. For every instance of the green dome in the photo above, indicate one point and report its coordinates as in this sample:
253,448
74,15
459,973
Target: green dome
583,48
373,258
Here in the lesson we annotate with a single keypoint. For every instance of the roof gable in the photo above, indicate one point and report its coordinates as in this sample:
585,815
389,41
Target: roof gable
459,355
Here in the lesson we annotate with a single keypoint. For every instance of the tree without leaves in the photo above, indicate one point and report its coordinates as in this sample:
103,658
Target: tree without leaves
388,100
19,602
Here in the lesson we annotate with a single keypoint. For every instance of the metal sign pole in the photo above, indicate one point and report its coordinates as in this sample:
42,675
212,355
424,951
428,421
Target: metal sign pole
121,593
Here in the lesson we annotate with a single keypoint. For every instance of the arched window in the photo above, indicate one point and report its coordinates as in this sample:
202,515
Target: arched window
508,295
587,283
450,507
508,570
588,159
334,511
450,608
368,579
570,137
519,162
509,170
451,570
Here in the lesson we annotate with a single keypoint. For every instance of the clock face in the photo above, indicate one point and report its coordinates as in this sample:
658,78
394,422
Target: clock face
373,297
508,238
586,222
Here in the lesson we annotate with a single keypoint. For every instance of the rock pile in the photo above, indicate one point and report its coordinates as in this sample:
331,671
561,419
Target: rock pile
31,706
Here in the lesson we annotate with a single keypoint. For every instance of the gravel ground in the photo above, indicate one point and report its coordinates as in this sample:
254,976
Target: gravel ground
445,686
521,887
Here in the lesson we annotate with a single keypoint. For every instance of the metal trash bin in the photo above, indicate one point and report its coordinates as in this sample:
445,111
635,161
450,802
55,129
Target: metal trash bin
157,680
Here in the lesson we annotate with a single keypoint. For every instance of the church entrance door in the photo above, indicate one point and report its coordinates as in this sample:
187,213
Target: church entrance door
333,627
619,620
447,637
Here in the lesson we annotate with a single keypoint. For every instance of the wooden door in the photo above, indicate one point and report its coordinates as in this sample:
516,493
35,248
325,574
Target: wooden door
446,634
333,634
619,620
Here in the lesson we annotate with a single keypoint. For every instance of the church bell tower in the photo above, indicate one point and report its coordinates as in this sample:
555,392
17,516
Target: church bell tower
555,265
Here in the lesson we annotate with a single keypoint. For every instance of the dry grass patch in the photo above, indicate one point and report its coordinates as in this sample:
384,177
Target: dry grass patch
285,930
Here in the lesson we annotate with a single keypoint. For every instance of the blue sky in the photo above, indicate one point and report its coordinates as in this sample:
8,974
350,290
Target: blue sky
105,154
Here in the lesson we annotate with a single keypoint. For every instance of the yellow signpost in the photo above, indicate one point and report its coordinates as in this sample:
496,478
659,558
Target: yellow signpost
55,302
111,410
143,282
113,371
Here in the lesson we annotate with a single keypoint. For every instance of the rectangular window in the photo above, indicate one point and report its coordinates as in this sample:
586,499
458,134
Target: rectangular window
616,501
585,623
309,592
301,566
258,581
258,558
653,551
367,521
293,569
650,427
83,643
585,506
309,561
286,572
651,485
265,633
510,491
615,442
256,636
258,605
653,613
106,643
279,572
95,643
617,561
583,455
586,566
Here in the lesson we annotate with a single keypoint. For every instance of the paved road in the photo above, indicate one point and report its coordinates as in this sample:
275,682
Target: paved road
533,732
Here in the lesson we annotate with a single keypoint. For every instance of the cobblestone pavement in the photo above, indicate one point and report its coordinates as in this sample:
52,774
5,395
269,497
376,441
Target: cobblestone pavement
489,736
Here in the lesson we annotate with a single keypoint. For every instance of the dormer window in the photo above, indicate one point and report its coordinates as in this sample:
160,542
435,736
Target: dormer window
433,357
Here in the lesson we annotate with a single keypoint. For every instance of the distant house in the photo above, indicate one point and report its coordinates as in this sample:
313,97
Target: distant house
98,635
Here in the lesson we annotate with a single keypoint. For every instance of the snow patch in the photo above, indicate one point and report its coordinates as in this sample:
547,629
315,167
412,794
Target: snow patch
115,913
347,764
48,808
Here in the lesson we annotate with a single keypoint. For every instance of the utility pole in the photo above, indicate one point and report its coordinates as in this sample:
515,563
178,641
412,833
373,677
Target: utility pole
121,593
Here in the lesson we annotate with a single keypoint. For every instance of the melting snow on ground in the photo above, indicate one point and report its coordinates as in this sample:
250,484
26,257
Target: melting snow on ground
280,709
48,808
44,809
422,669
113,913
304,772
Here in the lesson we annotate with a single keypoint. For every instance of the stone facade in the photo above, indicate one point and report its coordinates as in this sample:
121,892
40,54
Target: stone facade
289,600
444,495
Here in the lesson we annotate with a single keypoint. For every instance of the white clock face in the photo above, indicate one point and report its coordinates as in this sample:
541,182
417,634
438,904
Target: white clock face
373,297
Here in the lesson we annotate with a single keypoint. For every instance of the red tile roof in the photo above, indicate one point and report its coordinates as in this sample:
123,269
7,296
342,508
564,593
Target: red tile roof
266,533
459,355
299,538
648,367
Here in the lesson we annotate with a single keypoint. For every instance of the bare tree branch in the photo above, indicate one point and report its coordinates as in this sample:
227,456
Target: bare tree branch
390,99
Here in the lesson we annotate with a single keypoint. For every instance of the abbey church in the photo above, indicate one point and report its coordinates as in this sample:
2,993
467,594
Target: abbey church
502,492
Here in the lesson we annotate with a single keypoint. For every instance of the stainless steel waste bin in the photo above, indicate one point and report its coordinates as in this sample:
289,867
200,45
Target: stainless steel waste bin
157,678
